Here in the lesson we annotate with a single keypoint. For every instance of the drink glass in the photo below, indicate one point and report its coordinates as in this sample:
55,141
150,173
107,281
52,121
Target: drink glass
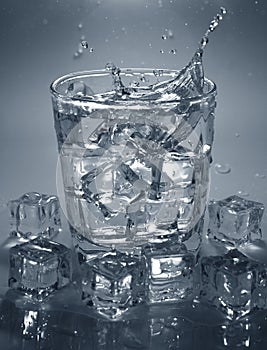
133,169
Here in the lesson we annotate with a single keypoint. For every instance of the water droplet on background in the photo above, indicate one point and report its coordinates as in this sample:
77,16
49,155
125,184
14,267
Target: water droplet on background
242,193
260,176
222,168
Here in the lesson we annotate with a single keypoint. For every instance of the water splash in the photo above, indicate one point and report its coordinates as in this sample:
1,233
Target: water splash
189,82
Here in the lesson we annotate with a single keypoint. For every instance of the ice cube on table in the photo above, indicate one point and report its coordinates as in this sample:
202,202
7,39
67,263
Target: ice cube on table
126,334
171,332
233,283
239,334
39,267
35,214
235,220
113,283
170,272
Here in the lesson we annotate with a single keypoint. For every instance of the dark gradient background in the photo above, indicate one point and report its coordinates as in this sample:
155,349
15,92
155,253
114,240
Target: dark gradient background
38,40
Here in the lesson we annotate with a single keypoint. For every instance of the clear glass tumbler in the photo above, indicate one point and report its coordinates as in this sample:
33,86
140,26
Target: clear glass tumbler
134,170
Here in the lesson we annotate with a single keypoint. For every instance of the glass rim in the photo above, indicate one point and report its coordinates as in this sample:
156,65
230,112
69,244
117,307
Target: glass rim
102,72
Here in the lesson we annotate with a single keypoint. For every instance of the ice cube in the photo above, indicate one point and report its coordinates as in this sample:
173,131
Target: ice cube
170,272
90,191
192,239
131,178
35,214
39,267
113,283
235,220
232,283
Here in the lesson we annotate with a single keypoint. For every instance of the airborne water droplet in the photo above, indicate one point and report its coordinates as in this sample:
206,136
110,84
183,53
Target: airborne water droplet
164,37
161,51
80,25
84,44
222,168
204,41
173,51
91,49
223,10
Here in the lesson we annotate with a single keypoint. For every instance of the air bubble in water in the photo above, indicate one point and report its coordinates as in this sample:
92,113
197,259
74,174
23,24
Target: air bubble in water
84,44
222,168
143,79
158,72
134,84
